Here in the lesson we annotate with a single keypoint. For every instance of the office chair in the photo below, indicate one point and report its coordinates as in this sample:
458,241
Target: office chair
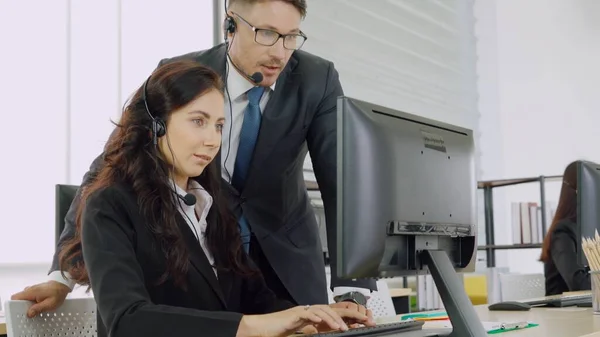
64,196
75,317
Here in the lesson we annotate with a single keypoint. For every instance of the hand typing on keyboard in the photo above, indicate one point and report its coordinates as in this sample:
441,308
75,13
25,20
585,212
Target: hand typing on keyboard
308,319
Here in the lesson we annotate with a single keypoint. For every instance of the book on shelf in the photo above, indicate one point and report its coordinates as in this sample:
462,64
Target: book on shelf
527,221
428,296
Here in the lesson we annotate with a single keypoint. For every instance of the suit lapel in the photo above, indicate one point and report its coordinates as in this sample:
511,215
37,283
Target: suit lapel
198,258
225,281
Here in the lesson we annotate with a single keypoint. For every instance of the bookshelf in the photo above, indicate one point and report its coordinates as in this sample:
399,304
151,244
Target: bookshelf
488,187
515,246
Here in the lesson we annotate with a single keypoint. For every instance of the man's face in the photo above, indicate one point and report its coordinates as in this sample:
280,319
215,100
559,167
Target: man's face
269,18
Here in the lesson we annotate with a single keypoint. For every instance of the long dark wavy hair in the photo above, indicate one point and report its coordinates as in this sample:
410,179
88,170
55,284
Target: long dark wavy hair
130,157
566,208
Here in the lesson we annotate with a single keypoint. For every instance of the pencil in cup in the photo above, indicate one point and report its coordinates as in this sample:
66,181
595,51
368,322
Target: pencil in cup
591,249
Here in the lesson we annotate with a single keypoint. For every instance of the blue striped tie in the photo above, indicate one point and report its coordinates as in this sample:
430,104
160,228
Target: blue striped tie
248,136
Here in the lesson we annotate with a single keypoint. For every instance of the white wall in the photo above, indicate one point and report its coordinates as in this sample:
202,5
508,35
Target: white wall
542,111
67,68
490,146
416,56
34,94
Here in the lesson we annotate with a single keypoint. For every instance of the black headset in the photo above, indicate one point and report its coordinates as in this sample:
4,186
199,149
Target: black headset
159,128
229,25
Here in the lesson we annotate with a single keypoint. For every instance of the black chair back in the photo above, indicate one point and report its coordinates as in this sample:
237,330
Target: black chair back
63,199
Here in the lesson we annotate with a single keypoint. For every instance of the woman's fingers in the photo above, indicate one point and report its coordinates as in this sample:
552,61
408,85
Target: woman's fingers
335,317
352,306
370,320
352,317
309,330
309,315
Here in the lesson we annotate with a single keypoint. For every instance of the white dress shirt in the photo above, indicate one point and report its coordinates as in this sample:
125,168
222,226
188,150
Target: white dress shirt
195,215
237,87
197,224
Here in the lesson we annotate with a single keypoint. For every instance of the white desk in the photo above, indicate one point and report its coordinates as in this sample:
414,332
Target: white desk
553,322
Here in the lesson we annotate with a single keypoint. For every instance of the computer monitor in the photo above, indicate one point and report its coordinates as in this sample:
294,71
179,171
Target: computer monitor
407,202
588,197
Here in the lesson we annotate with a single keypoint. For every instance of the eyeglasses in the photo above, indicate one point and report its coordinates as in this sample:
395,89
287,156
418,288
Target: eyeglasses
268,37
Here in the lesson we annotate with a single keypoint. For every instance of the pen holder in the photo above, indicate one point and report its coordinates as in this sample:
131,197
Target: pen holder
595,280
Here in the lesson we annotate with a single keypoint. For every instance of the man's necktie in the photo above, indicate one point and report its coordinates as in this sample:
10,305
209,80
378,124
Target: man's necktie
248,136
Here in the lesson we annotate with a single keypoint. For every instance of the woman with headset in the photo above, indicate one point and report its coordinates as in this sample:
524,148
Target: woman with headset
155,241
562,271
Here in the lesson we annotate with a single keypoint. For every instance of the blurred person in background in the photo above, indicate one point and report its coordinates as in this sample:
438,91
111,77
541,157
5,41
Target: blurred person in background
560,247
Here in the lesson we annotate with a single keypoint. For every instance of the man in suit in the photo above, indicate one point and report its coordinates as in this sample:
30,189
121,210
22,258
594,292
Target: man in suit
280,104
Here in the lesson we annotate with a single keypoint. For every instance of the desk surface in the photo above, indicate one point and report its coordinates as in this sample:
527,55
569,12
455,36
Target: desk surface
559,322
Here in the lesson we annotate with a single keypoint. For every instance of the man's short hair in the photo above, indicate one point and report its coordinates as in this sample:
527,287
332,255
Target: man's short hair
299,4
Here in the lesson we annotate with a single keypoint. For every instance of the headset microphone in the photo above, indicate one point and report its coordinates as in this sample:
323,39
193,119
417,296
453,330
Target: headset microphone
189,199
257,77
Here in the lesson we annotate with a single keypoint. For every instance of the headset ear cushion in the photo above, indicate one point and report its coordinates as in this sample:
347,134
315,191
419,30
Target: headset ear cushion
229,25
159,128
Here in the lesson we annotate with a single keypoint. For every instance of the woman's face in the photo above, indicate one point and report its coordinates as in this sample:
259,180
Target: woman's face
193,136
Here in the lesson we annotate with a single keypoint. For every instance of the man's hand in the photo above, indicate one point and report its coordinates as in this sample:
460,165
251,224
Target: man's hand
353,306
45,296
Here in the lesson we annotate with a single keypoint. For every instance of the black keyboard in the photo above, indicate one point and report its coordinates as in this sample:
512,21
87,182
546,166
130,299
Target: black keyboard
561,300
378,330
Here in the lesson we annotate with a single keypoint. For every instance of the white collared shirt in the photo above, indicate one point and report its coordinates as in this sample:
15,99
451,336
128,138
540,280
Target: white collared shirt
237,86
201,208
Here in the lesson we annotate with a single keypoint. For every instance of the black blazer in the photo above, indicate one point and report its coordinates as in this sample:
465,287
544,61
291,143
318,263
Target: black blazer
300,117
563,272
123,263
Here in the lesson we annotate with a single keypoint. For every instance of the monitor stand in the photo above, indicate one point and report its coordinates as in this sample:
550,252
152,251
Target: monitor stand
464,319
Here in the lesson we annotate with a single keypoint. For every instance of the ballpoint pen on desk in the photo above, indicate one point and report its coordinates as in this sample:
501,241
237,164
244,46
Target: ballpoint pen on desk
503,327
510,326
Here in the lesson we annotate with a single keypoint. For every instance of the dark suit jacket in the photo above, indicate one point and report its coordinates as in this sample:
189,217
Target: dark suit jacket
299,117
123,263
563,272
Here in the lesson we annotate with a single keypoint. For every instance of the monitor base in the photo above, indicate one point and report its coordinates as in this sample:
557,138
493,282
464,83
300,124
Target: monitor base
464,319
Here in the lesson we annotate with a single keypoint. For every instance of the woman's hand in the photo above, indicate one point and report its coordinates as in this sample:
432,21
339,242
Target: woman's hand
284,323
